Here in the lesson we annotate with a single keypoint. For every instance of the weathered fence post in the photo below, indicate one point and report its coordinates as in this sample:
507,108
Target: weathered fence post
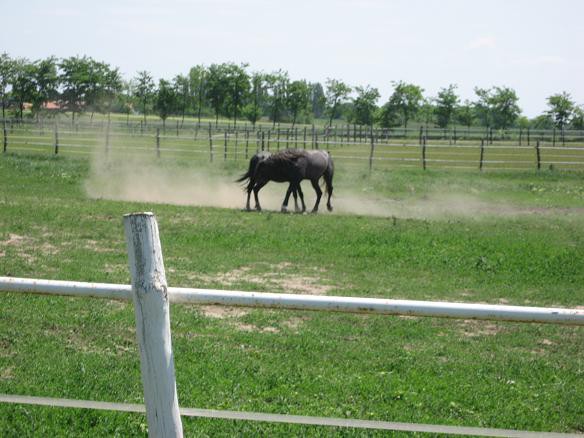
210,145
269,135
246,142
537,155
225,147
482,154
235,146
107,138
151,307
372,151
56,139
424,153
5,135
158,142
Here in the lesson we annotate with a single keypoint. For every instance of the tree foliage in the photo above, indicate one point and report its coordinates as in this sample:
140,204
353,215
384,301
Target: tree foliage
336,94
561,108
446,102
405,100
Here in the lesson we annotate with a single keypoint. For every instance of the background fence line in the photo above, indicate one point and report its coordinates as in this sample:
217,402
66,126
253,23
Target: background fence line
430,148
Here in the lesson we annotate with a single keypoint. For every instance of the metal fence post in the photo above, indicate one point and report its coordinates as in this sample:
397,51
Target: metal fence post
56,140
158,142
151,307
5,135
482,154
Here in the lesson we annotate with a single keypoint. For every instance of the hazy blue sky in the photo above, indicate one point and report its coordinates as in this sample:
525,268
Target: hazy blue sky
535,47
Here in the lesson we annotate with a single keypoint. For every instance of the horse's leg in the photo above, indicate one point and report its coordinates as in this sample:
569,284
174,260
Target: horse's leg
301,197
284,208
318,194
295,194
256,189
329,188
249,189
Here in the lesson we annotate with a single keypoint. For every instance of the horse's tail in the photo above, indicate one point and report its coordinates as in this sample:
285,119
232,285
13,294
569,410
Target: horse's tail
328,175
250,171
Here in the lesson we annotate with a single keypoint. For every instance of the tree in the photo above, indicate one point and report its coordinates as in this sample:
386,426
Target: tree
165,101
336,93
465,114
124,99
23,87
577,121
74,79
406,99
217,89
182,90
197,83
317,100
482,106
253,110
237,82
497,106
561,108
7,66
144,90
542,121
504,106
277,84
388,116
446,103
297,99
365,105
426,113
45,83
111,87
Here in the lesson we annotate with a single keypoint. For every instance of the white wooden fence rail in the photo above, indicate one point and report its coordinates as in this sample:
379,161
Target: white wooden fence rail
151,298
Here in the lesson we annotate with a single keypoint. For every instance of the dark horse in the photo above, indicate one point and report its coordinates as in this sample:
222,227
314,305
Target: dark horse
290,165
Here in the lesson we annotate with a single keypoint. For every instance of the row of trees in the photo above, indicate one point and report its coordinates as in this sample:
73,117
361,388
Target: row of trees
82,84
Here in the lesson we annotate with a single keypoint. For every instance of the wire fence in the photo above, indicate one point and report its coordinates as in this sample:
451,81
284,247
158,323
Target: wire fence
350,145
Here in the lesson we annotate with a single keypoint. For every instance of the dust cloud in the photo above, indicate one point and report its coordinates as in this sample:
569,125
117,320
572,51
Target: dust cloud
142,179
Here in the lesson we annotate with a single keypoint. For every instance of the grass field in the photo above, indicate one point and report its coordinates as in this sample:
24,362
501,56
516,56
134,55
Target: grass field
505,237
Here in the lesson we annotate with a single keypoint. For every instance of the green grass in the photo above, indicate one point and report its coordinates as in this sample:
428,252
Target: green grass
504,375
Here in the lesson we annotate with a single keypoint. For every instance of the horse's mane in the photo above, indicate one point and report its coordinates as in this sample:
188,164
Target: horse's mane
287,156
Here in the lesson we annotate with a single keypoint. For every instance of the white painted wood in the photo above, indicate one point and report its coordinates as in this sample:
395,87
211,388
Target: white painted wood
150,295
179,295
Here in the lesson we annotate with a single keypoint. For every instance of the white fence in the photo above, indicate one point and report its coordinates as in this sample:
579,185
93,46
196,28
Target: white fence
151,298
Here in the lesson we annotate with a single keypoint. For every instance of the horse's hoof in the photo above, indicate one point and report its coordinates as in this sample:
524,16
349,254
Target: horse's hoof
329,207
284,210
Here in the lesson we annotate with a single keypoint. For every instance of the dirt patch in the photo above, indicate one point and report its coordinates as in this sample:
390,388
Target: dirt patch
472,328
15,240
7,373
223,312
295,323
94,246
277,277
254,328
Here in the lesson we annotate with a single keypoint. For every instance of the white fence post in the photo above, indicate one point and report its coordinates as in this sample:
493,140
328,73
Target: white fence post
150,295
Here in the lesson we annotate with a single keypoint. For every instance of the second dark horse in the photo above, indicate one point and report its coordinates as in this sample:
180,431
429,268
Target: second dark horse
290,165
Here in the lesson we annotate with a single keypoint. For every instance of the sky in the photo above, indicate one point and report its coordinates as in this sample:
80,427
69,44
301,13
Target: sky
535,47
